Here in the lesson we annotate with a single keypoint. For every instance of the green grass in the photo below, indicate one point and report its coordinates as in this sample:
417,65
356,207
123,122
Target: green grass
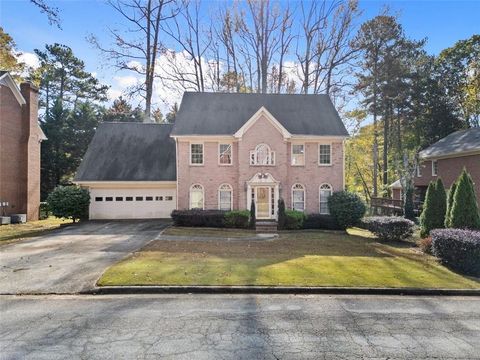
32,228
209,232
304,258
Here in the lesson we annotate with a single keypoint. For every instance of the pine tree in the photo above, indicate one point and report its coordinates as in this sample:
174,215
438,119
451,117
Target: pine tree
451,194
434,208
464,213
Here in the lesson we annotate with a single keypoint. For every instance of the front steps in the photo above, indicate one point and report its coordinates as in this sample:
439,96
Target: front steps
266,226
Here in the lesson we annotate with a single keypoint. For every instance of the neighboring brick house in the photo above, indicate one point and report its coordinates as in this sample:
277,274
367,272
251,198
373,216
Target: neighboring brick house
20,138
228,149
446,159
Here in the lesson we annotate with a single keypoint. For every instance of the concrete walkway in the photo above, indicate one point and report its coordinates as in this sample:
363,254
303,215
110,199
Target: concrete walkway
71,259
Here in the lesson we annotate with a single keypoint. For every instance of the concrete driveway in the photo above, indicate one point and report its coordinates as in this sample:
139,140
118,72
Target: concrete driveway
70,260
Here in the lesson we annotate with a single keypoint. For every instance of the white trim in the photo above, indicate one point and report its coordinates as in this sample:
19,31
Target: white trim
231,155
320,198
269,198
419,170
190,153
190,196
176,169
127,184
434,173
7,80
271,156
343,166
304,196
304,153
451,155
231,195
204,138
316,138
318,154
262,111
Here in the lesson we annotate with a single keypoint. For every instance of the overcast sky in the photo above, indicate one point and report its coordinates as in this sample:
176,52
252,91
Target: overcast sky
442,22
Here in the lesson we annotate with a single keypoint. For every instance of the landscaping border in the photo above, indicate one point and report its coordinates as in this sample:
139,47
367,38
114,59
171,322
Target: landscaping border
260,290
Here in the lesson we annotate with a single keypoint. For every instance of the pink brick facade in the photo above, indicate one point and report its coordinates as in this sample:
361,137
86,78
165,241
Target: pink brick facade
20,139
448,169
211,175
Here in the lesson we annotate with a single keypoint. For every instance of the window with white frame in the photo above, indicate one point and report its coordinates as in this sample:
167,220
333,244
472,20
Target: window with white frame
419,170
434,167
225,197
196,154
262,155
325,193
196,196
325,154
298,197
225,154
298,154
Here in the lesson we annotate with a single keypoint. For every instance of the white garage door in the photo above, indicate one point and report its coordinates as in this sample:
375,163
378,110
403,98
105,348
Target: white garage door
131,203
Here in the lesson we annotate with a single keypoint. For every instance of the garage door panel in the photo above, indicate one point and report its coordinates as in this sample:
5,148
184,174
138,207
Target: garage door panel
131,203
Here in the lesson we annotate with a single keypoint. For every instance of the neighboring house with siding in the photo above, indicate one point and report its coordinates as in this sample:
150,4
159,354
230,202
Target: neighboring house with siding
20,138
224,151
446,159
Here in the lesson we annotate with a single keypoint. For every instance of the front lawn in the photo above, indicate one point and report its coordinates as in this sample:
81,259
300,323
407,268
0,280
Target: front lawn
29,229
304,258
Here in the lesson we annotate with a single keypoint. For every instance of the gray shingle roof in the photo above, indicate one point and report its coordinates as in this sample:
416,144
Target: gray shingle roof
459,142
225,113
129,152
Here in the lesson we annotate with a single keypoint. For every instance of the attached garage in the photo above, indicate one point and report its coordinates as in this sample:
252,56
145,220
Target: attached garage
130,171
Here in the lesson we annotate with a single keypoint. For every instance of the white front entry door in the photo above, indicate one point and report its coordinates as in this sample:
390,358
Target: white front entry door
262,201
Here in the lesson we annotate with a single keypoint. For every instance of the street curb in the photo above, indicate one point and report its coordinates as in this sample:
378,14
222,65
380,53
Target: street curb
265,290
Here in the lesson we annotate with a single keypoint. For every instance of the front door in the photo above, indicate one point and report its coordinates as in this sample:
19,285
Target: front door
262,195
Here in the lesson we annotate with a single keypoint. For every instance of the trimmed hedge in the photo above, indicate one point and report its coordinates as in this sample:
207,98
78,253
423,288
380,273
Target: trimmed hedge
320,221
347,208
69,202
196,217
237,219
458,249
389,228
293,220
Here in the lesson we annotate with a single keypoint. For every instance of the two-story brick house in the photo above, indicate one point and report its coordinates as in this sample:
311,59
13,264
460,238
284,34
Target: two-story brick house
20,138
229,149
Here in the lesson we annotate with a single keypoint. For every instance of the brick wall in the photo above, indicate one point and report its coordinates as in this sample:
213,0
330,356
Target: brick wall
19,152
211,175
449,169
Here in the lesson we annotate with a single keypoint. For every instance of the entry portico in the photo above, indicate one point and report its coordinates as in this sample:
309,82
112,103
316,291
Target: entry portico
264,190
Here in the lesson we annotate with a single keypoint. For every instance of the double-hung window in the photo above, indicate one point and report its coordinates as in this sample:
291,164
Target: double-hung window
298,154
196,154
225,154
324,154
324,194
225,197
298,197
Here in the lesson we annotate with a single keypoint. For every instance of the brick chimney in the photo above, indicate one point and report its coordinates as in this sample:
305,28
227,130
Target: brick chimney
33,137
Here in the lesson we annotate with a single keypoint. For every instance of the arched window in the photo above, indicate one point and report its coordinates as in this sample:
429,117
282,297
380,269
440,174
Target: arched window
196,197
298,197
262,155
225,197
325,193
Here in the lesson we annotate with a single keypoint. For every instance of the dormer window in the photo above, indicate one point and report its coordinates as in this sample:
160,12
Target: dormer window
262,155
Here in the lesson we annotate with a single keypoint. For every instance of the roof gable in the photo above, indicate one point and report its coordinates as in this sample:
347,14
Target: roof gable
258,115
225,113
7,80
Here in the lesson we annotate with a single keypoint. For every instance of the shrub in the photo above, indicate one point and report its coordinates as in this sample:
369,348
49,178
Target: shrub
434,208
346,208
389,228
293,220
451,193
197,217
408,208
237,219
69,202
281,214
458,249
464,213
320,221
44,212
253,219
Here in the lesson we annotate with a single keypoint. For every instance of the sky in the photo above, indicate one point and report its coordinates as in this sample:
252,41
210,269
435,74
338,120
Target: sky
441,22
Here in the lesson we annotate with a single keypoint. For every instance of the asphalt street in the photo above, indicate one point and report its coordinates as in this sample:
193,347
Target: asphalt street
239,327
